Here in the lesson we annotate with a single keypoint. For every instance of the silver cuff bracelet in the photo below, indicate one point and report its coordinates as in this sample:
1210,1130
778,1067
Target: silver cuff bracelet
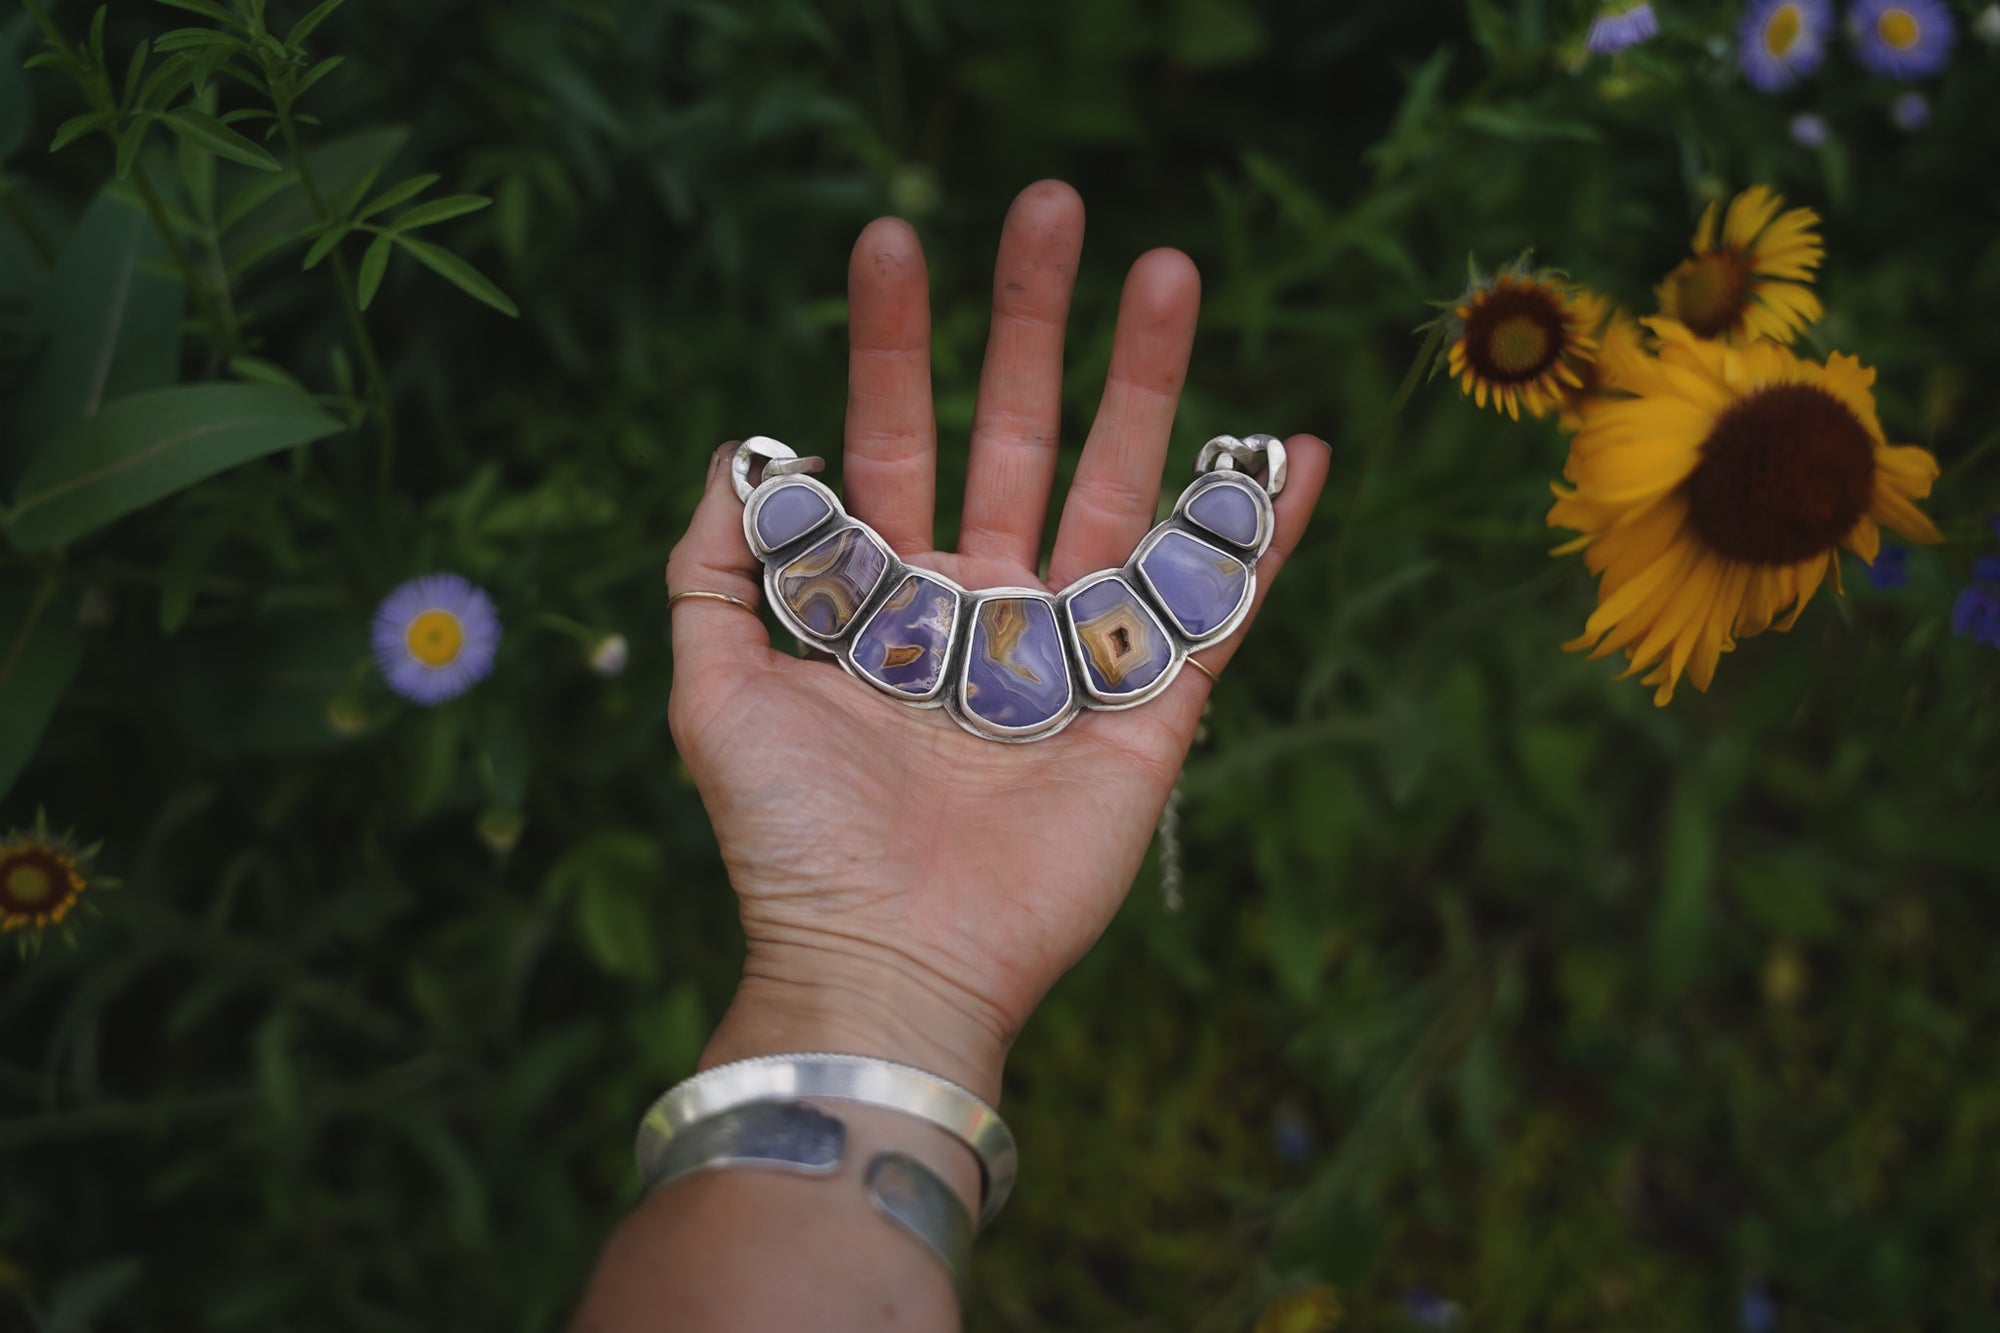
854,1078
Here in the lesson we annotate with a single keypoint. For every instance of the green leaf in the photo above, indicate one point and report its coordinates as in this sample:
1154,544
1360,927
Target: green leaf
305,26
615,919
165,83
106,326
17,103
373,265
459,273
207,9
325,246
396,194
76,127
259,371
129,144
136,70
440,210
218,138
187,560
146,447
1687,864
272,210
39,655
192,39
197,167
315,74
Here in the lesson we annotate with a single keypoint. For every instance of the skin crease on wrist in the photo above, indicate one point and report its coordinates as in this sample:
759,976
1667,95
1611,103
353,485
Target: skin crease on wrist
908,890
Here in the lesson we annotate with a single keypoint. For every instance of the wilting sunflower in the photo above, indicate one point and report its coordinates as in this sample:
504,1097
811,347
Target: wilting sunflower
1752,282
42,877
1519,339
1719,496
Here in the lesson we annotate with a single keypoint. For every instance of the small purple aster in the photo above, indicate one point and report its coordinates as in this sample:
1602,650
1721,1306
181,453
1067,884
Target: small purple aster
435,637
1782,41
1901,39
1427,1309
1756,1312
1976,613
1809,130
1294,1136
1621,25
1891,569
1911,112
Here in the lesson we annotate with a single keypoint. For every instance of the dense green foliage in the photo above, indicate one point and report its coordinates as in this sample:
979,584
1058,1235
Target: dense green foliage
1593,1014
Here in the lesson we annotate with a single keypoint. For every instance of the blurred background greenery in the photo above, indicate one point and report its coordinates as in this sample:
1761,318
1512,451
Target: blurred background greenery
1497,999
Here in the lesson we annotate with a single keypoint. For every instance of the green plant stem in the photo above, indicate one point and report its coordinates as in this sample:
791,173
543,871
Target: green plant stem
214,298
371,364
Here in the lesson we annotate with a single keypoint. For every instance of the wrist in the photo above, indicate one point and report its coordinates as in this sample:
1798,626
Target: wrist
793,998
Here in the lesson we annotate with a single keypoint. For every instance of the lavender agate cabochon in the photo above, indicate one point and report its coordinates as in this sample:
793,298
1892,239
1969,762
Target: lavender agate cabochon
906,643
1121,647
779,514
1203,589
1232,507
1016,676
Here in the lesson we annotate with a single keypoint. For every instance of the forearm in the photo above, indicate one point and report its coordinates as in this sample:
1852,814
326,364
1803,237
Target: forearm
760,1248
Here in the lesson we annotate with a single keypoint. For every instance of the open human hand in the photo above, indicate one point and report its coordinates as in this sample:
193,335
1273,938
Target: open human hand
909,890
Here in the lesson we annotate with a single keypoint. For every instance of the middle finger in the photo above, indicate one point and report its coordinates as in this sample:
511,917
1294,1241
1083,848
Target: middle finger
1014,426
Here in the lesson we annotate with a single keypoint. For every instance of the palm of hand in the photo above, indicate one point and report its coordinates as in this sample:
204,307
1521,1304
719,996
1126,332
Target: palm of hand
881,846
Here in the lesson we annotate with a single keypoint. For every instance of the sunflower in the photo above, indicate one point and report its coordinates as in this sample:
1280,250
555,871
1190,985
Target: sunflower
1753,284
1620,365
42,877
1718,496
1519,339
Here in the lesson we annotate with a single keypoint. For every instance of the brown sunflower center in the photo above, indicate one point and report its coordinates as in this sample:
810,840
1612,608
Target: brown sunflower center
32,880
1784,474
1711,292
1514,334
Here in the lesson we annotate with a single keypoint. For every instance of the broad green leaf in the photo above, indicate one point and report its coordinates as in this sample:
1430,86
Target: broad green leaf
39,655
459,273
373,265
218,138
616,921
107,327
143,448
440,210
396,194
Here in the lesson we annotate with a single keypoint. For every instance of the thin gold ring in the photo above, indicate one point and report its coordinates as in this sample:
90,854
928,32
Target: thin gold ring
1213,679
711,597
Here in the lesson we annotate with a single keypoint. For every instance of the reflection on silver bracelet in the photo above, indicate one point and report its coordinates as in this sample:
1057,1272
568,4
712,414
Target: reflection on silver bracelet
854,1078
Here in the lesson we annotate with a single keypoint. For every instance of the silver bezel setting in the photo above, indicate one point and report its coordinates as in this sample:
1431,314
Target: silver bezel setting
1266,517
826,532
956,705
762,495
952,648
1113,701
1230,623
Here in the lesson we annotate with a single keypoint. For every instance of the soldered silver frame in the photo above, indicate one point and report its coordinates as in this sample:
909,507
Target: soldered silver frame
1221,459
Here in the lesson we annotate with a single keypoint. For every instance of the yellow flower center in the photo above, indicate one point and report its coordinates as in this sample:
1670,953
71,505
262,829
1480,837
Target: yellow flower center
29,885
435,637
1518,344
1898,28
1782,31
1711,292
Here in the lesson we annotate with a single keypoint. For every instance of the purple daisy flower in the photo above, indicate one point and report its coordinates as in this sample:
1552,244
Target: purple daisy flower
1911,111
1809,130
1901,39
1891,569
1976,613
1621,25
1782,41
435,637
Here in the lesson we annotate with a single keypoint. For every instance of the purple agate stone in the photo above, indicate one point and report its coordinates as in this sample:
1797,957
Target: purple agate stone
827,586
789,513
1016,677
1123,645
904,644
1227,510
1197,585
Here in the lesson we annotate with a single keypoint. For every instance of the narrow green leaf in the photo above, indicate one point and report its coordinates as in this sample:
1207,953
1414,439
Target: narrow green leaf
316,73
373,265
129,144
255,225
76,127
197,166
192,39
440,210
459,273
39,655
167,81
219,139
187,560
352,200
205,8
324,246
305,26
97,36
259,371
396,194
136,70
146,447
